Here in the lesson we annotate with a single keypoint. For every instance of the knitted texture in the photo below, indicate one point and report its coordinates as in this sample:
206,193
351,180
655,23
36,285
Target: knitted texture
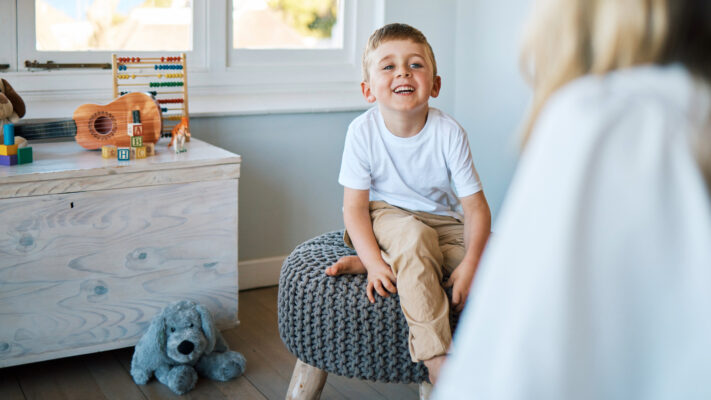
329,323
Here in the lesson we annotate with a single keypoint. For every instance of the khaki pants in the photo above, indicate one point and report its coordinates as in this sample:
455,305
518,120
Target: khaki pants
417,246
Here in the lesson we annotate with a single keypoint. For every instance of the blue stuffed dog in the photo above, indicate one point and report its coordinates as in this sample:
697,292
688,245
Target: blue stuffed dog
180,344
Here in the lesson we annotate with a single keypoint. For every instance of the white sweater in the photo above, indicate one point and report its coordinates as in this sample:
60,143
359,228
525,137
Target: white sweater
597,282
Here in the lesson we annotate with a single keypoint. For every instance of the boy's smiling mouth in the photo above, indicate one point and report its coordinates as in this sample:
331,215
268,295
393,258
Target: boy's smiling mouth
404,89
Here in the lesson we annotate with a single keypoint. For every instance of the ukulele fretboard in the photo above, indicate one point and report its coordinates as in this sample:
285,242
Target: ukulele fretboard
47,130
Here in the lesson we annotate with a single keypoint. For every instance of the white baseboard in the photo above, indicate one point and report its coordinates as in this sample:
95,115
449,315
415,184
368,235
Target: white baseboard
260,272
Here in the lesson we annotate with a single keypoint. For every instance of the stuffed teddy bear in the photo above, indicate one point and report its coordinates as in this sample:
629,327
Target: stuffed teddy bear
12,108
182,342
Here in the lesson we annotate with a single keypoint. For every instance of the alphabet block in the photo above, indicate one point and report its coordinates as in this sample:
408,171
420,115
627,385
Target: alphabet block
108,151
138,152
150,149
124,153
135,129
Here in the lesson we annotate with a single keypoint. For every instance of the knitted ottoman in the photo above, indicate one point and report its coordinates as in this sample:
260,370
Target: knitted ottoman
331,327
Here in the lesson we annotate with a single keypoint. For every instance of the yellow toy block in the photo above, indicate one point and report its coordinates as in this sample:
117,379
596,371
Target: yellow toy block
108,151
8,150
150,149
140,152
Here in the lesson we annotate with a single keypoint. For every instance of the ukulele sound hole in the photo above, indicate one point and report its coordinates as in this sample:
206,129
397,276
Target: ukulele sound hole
103,125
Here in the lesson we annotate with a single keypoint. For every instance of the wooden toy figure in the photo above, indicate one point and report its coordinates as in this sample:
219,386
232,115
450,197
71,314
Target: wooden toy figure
180,134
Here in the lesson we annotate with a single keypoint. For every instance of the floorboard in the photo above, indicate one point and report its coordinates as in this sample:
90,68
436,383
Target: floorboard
107,375
10,387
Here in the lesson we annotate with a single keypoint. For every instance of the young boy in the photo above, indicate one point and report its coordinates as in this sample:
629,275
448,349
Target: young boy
402,163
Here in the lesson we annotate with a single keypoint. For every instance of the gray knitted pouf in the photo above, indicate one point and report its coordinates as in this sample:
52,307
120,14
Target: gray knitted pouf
328,322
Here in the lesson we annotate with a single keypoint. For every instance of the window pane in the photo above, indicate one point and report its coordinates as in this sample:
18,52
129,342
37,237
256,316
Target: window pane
113,25
287,24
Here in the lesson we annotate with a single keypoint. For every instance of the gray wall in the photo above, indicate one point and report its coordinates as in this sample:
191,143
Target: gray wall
288,188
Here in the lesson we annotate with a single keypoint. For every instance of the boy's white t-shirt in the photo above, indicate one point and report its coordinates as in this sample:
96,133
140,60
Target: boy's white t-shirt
426,172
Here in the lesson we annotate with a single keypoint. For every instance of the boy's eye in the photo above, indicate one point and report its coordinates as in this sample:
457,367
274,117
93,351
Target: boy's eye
416,65
388,67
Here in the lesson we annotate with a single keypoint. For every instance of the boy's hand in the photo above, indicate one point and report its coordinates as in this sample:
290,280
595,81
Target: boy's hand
460,281
382,279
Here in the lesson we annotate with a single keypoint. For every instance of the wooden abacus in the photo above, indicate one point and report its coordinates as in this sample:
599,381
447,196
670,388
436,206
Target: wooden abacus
166,78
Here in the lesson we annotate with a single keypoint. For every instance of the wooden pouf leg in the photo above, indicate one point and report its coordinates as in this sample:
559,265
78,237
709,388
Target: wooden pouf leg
425,390
306,382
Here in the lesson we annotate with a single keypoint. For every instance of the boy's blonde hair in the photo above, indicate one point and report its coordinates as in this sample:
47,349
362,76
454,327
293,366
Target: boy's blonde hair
396,32
567,39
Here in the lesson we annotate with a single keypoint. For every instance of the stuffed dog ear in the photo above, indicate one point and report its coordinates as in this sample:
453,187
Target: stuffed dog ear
18,105
155,335
208,328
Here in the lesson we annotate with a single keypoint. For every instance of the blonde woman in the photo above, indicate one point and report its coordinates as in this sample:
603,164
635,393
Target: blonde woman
597,281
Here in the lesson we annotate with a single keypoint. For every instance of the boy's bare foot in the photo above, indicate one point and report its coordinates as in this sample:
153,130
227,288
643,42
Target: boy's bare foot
346,265
434,365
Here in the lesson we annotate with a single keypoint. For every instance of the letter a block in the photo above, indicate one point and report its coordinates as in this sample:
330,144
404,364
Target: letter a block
135,129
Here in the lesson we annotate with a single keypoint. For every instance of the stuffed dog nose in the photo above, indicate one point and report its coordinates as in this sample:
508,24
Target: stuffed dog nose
186,347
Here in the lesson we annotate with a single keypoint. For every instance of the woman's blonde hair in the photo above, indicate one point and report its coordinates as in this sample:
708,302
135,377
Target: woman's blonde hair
567,39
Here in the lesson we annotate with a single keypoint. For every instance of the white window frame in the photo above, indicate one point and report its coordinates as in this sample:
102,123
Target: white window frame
221,80
8,31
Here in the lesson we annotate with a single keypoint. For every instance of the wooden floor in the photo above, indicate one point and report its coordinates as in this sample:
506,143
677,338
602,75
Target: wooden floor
269,365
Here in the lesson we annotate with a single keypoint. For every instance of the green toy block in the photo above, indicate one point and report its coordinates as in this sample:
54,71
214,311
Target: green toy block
24,155
136,141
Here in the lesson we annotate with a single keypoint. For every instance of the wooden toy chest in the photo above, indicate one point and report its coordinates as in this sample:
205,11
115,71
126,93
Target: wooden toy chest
91,248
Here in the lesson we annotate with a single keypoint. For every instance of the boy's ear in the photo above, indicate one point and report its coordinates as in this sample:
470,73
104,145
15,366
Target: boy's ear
367,93
436,86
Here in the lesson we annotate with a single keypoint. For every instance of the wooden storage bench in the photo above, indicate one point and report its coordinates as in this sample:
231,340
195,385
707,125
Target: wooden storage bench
91,248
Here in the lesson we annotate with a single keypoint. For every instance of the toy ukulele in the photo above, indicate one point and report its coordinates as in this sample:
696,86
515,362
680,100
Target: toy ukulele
94,125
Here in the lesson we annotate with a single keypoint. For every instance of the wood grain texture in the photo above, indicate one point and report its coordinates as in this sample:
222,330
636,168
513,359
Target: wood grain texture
306,382
109,371
66,160
119,181
87,271
99,125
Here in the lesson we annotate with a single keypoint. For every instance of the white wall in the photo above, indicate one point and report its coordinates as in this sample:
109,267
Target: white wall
491,96
436,19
